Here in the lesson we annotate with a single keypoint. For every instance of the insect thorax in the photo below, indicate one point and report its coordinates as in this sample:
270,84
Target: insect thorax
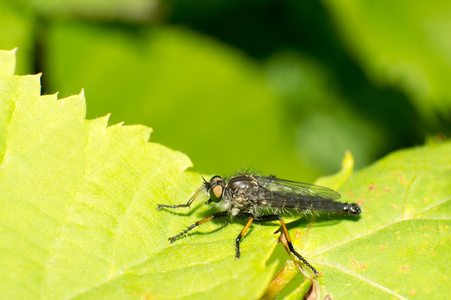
241,194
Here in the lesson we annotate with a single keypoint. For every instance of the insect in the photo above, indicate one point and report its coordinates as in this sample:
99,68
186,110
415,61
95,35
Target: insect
248,195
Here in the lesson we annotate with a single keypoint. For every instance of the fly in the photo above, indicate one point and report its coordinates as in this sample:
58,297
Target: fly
245,195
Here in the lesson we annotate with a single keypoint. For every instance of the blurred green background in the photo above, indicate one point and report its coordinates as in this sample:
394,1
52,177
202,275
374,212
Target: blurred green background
284,86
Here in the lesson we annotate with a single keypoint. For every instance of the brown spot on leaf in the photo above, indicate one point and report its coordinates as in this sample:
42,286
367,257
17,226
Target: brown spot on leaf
395,206
387,189
298,235
363,266
404,268
372,187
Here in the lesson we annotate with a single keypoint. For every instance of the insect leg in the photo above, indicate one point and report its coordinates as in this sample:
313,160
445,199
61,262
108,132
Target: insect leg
219,214
287,236
238,239
160,206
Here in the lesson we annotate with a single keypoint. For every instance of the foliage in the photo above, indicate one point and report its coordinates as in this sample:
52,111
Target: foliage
78,216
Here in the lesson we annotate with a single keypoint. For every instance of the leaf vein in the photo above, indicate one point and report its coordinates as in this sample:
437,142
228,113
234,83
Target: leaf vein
364,279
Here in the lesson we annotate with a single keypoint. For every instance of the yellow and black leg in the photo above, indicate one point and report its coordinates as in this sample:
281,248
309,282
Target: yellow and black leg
238,239
219,214
287,236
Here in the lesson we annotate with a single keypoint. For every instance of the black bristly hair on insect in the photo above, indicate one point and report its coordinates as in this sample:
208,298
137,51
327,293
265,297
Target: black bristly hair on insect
205,181
247,194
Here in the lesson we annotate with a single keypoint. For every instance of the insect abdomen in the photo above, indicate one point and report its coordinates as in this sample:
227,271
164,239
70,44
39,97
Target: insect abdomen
311,204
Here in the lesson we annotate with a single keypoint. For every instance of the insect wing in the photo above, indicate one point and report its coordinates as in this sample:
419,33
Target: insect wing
298,190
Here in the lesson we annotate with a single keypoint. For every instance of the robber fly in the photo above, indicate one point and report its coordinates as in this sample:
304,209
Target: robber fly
247,195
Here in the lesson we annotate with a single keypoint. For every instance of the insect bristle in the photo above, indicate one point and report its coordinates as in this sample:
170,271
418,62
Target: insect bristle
247,171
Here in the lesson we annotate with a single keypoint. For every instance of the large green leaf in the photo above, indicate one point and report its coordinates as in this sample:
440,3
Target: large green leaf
400,246
78,216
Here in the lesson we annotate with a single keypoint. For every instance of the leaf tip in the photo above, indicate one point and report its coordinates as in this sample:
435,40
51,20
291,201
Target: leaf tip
348,161
8,62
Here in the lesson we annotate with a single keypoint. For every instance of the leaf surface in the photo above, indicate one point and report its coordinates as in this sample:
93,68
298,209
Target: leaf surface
400,246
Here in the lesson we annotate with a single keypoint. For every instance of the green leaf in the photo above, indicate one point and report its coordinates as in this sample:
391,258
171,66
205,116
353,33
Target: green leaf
400,246
78,216
403,44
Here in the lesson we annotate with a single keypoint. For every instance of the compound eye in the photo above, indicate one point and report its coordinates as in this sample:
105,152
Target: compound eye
216,193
